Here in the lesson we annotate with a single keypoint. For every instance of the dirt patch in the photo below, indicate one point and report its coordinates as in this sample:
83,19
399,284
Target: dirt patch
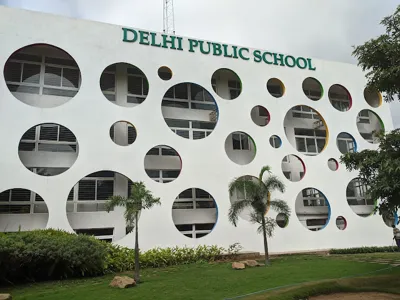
357,296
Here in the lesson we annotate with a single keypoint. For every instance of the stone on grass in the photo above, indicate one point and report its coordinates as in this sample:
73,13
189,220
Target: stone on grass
123,282
5,297
251,263
238,266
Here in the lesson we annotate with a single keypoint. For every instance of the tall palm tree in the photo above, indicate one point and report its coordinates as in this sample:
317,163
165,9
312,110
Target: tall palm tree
257,198
138,199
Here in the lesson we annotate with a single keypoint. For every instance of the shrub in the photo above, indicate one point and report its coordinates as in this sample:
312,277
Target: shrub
363,250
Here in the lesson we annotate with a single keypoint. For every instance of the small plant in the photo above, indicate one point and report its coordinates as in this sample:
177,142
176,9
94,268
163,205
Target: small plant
234,249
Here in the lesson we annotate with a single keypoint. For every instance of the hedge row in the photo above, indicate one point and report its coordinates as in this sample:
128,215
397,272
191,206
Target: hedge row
363,250
52,254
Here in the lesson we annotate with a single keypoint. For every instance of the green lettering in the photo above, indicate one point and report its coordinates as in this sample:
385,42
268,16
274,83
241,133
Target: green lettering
179,43
153,39
235,54
241,54
257,56
126,39
303,61
202,48
310,67
144,37
292,63
192,44
280,59
226,51
217,49
264,57
166,41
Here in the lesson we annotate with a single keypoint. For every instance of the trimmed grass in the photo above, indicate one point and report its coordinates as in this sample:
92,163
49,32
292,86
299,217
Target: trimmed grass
203,281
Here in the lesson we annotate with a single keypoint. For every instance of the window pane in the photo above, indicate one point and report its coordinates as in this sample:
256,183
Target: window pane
70,78
105,189
300,144
186,194
177,123
107,82
311,146
202,106
168,152
30,134
236,141
181,91
198,135
245,142
342,145
26,147
169,93
185,227
86,190
20,195
203,125
66,135
183,133
5,196
208,226
320,145
170,173
52,76
59,92
196,92
153,173
60,61
154,151
131,134
49,132
31,73
135,85
201,194
12,71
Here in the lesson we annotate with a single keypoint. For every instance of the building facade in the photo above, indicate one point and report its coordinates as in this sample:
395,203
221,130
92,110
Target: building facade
87,108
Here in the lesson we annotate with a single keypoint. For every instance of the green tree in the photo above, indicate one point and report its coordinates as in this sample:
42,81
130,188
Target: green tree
140,198
380,171
380,57
257,193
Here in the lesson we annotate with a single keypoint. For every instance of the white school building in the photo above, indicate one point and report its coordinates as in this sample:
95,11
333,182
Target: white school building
86,108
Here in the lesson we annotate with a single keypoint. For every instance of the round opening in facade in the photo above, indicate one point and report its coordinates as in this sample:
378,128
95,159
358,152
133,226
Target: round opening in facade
346,143
373,97
190,111
390,219
162,164
48,149
123,133
313,209
341,223
282,220
165,73
340,97
333,164
306,130
276,87
275,141
312,88
358,199
369,125
124,84
22,210
194,213
86,205
240,148
226,84
260,115
293,168
42,75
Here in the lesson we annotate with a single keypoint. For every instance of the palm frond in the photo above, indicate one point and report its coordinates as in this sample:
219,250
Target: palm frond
236,208
263,170
273,183
270,225
280,206
249,186
115,201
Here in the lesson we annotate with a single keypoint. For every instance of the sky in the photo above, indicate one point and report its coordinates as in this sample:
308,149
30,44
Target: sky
324,29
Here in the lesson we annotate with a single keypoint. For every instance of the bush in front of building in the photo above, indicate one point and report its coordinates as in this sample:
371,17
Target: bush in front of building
363,250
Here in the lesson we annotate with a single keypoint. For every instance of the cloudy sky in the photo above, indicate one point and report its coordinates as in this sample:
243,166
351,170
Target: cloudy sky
325,29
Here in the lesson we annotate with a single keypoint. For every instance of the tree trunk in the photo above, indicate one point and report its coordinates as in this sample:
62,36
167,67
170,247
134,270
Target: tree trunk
266,254
137,267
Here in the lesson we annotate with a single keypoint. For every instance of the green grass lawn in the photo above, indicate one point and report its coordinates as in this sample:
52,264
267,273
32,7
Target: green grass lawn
204,281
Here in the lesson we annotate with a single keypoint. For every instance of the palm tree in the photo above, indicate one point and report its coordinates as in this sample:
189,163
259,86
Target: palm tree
257,197
138,199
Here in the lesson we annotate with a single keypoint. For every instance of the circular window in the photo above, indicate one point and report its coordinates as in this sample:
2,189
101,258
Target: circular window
42,75
282,220
293,168
373,97
91,194
313,209
194,102
48,149
341,223
306,130
240,148
165,73
340,97
333,164
260,115
369,125
162,164
133,86
358,199
312,88
123,133
22,210
226,84
275,141
346,143
390,219
276,87
194,213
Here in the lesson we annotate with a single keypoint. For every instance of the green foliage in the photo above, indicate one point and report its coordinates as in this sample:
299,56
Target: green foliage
363,250
380,57
380,170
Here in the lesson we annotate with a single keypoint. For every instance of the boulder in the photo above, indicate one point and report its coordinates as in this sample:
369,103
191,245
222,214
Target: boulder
251,263
5,297
123,282
238,266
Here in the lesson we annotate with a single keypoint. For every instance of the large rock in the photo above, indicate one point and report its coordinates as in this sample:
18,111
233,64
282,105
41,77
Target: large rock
238,266
251,263
123,282
5,297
